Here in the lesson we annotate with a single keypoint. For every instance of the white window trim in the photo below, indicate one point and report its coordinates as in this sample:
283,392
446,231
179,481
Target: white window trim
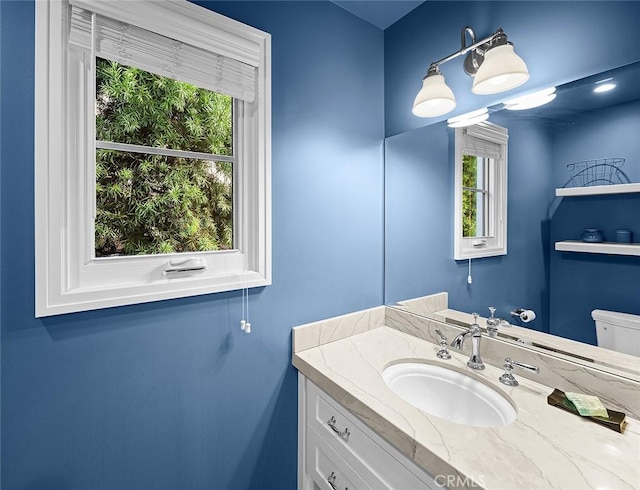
68,279
476,247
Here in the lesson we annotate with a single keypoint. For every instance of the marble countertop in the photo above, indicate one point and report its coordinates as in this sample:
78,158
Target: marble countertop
545,448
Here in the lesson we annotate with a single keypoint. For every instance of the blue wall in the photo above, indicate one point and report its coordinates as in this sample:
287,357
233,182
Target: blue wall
581,282
171,395
560,42
419,223
608,132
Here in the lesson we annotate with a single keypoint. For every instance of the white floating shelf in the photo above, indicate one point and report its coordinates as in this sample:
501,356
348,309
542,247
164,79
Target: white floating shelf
611,248
599,189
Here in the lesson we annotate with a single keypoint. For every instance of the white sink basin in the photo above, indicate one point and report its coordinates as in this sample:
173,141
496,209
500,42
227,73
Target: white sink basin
449,394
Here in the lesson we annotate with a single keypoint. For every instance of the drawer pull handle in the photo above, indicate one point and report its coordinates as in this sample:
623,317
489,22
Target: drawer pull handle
331,480
344,434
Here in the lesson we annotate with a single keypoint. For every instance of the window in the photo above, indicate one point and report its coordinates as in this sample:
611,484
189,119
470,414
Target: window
152,154
164,164
476,172
480,191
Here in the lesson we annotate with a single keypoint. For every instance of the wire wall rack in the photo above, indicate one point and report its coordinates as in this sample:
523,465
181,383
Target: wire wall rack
600,171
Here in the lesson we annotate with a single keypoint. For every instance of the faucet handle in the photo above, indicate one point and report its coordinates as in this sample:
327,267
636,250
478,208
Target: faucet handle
475,327
508,378
443,353
492,323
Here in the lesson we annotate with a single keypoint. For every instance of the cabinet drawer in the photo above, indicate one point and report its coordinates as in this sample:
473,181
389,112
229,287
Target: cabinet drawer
376,462
328,470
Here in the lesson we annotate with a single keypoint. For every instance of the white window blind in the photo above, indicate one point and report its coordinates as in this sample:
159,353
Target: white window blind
483,148
484,141
134,46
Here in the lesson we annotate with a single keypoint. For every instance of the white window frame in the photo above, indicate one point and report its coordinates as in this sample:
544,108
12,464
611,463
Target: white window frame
496,243
68,276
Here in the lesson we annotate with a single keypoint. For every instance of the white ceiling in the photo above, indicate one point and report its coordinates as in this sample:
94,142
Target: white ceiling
380,13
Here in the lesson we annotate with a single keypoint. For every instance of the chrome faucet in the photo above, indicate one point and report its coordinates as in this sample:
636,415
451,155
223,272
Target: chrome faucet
474,362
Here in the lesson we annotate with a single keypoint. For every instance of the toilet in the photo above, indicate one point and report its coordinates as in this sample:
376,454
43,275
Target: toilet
618,331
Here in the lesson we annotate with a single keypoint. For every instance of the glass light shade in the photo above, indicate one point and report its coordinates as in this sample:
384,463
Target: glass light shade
434,99
501,70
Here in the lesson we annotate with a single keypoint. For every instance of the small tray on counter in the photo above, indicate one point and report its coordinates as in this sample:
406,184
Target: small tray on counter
615,421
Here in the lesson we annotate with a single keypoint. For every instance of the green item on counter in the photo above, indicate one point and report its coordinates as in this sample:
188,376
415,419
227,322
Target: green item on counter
587,405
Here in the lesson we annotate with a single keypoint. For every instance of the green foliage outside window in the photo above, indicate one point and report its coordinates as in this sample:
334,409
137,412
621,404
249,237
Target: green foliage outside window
469,198
150,204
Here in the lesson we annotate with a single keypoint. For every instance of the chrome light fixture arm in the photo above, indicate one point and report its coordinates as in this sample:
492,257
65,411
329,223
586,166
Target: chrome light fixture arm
476,47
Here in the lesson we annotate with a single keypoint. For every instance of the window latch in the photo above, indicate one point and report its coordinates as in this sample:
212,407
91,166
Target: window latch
479,243
175,266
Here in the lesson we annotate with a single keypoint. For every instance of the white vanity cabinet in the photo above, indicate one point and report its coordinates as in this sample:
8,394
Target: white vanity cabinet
336,451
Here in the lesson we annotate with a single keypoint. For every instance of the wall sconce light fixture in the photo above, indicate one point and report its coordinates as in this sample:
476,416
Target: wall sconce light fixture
492,63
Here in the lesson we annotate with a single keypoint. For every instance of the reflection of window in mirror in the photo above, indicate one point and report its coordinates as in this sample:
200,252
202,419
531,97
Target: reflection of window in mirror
480,191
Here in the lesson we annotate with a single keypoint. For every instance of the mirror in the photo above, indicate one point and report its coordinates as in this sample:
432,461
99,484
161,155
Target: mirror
561,287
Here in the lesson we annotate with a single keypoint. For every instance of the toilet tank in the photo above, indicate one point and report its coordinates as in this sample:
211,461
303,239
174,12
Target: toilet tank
618,331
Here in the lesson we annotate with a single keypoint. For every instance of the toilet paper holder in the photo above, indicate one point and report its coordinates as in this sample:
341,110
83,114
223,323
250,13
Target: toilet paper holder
523,314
